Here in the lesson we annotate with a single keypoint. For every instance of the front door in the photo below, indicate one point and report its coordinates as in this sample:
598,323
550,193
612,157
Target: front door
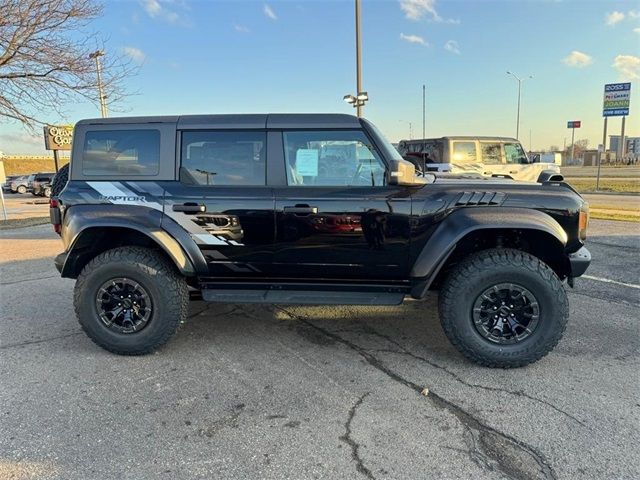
223,202
337,218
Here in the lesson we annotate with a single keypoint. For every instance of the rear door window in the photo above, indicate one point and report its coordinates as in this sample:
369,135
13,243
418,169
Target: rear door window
121,152
491,153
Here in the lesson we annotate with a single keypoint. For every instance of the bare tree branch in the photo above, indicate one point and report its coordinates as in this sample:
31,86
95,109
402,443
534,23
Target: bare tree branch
44,59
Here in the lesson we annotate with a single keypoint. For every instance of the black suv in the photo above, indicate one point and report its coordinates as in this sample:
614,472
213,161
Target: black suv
306,209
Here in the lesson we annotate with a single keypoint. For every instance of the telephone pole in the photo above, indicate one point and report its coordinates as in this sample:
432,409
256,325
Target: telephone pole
103,98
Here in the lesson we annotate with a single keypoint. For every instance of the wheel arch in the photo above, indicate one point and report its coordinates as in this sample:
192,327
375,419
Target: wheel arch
469,230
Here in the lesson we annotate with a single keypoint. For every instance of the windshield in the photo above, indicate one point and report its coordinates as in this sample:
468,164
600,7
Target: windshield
388,149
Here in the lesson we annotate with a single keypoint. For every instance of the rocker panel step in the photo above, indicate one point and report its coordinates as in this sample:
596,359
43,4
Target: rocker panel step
302,297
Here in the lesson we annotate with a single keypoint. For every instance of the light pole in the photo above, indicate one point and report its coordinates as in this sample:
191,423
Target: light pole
360,98
103,98
520,80
424,110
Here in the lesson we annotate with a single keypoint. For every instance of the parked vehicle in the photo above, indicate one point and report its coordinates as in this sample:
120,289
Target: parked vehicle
306,209
20,184
41,184
492,156
6,186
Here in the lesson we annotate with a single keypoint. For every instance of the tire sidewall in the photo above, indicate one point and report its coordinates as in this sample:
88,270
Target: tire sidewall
550,320
21,190
88,314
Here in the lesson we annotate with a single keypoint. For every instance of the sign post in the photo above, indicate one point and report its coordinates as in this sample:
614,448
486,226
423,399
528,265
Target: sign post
3,179
58,137
573,124
617,98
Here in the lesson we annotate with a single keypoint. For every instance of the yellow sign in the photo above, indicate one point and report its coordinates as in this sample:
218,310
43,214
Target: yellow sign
58,137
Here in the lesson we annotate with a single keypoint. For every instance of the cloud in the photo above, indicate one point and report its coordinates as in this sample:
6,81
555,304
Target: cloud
134,54
577,59
416,9
637,29
628,66
159,9
612,18
268,11
634,14
240,28
452,46
414,39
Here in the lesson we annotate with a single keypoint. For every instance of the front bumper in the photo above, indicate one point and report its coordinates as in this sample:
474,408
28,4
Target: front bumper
579,261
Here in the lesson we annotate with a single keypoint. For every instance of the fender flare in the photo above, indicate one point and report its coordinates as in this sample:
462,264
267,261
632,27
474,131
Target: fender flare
466,220
176,243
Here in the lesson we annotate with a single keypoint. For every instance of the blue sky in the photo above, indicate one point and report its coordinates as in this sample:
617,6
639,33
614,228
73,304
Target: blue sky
298,56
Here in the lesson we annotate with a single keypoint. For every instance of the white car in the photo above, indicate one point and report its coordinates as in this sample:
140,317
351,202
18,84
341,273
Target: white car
490,156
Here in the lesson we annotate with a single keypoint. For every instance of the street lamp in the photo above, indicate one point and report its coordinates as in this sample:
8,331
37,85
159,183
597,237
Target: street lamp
520,80
103,98
357,101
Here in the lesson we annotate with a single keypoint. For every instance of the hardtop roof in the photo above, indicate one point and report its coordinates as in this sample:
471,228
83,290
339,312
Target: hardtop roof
244,121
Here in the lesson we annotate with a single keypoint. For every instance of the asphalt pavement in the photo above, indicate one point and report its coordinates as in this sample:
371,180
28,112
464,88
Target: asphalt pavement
315,392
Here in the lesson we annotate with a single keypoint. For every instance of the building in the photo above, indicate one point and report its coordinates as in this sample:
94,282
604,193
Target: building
632,145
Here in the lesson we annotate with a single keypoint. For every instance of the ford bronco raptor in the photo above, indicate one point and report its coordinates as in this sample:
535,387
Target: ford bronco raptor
306,209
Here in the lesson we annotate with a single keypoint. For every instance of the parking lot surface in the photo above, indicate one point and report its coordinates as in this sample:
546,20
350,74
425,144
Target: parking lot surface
315,392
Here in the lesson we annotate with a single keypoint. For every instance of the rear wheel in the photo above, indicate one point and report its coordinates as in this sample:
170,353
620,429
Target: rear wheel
130,300
503,308
47,192
22,189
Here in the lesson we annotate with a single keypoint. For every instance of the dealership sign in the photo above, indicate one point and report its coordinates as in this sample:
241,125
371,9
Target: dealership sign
573,124
58,137
617,97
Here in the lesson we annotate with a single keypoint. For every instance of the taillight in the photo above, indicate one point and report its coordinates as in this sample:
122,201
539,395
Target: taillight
53,203
54,214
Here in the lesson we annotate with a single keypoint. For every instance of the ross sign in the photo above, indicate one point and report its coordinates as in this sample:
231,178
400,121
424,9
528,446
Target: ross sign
573,124
617,97
58,137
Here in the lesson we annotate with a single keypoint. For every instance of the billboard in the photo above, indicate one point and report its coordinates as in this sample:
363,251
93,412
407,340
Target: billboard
617,97
58,137
574,124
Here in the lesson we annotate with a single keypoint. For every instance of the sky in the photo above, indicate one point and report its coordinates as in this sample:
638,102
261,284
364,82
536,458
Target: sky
299,56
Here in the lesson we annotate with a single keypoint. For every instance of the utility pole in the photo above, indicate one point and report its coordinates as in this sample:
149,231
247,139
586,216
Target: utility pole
520,80
424,110
103,98
359,107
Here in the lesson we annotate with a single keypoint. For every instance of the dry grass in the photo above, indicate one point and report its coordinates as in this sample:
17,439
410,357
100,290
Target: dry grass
622,185
26,166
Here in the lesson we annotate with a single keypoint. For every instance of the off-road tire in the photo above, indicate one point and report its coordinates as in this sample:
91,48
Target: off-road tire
166,287
479,271
60,180
21,189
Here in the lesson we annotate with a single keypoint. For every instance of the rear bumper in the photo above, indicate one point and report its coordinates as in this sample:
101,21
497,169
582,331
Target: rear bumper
579,261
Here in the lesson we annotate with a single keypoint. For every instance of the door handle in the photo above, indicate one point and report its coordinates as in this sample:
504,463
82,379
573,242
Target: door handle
190,208
301,209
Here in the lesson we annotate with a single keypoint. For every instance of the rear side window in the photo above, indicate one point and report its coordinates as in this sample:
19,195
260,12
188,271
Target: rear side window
223,158
121,152
464,152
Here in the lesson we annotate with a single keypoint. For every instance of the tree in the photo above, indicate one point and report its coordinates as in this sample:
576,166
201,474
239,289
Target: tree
580,147
44,59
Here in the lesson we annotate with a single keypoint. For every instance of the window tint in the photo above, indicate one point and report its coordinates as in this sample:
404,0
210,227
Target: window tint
223,158
491,153
464,152
332,158
514,153
121,152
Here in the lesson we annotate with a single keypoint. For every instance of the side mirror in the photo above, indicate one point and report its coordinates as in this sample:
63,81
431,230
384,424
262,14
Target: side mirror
402,172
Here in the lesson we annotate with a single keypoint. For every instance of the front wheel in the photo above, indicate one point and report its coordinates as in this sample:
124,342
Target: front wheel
22,189
130,300
503,308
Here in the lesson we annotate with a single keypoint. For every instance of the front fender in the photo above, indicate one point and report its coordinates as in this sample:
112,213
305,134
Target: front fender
466,220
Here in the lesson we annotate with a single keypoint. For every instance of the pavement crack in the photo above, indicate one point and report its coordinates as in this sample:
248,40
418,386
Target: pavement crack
455,376
28,280
42,340
355,447
511,456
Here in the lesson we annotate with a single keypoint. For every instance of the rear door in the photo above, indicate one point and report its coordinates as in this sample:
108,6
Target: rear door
223,201
336,218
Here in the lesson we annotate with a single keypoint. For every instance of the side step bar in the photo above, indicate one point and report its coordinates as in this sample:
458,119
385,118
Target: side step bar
302,297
